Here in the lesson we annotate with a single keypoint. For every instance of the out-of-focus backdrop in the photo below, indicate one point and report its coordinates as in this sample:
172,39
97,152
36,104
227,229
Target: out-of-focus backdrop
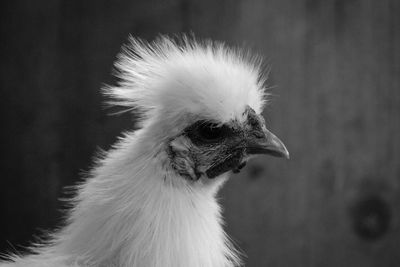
336,67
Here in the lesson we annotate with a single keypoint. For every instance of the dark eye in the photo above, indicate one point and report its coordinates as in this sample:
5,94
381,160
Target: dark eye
210,131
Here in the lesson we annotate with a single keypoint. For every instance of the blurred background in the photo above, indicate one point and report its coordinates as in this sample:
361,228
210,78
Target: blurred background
336,71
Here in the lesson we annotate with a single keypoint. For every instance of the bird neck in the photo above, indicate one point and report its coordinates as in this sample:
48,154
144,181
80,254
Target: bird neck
135,212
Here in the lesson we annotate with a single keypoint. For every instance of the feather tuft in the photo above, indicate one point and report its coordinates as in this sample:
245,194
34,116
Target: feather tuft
184,75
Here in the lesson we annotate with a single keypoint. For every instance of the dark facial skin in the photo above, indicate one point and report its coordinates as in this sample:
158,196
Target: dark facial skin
206,148
223,144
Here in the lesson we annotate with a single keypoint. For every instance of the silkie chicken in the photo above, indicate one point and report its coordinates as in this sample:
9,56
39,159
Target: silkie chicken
151,200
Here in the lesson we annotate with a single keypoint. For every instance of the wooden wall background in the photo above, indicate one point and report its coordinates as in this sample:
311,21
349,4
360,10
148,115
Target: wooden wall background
336,65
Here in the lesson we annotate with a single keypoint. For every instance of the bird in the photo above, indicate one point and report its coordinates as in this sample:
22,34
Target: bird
151,200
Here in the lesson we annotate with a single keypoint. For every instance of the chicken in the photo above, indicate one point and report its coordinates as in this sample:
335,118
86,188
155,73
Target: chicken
151,200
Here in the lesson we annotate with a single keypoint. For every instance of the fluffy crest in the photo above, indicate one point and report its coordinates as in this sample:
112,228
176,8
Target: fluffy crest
185,76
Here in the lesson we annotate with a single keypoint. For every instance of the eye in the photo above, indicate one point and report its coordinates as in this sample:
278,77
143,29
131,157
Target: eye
210,131
206,132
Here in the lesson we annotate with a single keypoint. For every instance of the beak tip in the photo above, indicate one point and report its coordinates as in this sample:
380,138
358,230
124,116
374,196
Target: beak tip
287,155
283,153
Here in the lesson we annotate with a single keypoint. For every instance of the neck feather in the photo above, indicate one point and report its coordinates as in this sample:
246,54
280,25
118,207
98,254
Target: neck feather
136,212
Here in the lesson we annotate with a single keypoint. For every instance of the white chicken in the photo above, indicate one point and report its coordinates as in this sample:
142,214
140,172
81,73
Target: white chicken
151,200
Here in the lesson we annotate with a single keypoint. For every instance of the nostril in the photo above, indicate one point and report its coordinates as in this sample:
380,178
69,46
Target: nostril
259,134
254,123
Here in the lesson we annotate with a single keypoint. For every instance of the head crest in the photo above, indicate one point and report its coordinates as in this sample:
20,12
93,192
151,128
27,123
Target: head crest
187,76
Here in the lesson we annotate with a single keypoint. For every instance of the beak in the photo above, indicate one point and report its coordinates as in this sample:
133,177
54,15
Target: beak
267,143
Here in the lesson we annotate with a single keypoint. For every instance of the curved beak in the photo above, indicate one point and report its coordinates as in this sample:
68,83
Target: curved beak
267,143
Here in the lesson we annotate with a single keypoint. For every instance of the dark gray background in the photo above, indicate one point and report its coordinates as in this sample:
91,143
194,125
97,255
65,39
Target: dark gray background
336,65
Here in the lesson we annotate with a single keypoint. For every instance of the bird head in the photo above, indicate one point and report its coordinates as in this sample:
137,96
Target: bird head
201,104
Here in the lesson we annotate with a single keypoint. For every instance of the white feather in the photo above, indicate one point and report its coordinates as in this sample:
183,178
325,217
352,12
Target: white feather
135,210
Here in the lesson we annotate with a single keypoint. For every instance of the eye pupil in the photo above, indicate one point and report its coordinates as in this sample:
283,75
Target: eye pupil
210,131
